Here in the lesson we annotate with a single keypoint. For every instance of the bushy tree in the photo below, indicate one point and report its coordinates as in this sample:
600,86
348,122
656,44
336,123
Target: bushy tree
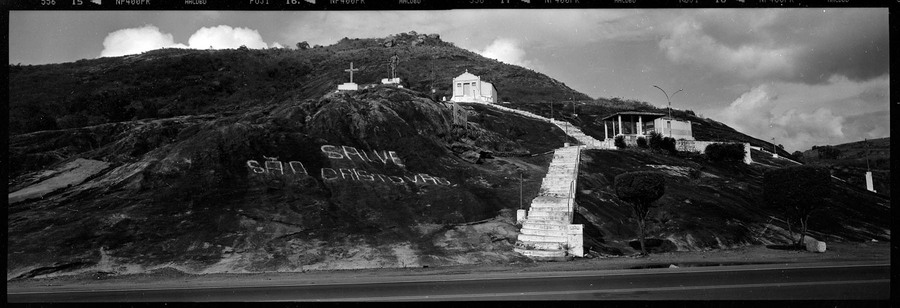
303,45
724,152
640,189
655,141
660,143
642,142
797,155
829,152
619,142
797,191
668,145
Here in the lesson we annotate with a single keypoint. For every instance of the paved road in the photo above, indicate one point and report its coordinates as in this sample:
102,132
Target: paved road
834,282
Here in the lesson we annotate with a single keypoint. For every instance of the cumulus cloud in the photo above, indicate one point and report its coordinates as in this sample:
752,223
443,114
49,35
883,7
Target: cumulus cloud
689,43
135,40
790,45
149,37
222,37
754,113
768,111
507,51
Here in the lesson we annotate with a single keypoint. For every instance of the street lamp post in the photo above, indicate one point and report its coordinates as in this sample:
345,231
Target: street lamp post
520,190
668,100
551,111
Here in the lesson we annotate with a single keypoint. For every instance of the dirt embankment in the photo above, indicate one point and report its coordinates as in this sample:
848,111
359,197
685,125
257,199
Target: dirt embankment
858,252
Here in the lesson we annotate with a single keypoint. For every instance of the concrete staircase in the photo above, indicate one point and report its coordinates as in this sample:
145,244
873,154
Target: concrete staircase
547,231
588,141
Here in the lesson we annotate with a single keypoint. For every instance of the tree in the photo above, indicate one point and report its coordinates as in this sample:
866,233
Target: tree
303,45
640,189
724,152
619,142
798,156
642,142
797,191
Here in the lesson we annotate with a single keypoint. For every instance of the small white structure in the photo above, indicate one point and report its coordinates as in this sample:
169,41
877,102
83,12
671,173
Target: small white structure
641,123
469,88
395,60
870,184
391,81
349,86
669,127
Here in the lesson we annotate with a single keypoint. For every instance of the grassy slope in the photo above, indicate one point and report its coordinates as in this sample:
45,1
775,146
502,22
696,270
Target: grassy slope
850,165
717,207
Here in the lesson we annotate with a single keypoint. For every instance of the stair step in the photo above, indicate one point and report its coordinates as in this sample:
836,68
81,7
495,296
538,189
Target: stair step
544,232
541,238
544,226
549,202
541,253
539,245
548,220
535,214
548,209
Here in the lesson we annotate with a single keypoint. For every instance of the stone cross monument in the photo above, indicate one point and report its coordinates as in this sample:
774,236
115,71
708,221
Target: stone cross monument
351,70
349,86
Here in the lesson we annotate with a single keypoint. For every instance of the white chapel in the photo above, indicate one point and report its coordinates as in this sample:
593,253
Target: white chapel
468,88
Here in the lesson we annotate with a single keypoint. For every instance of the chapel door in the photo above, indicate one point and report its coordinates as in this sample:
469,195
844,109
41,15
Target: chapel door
466,89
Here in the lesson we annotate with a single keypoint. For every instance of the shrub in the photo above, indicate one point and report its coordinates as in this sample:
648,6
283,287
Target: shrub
642,142
668,145
619,141
640,189
796,191
829,152
798,156
724,152
655,141
658,142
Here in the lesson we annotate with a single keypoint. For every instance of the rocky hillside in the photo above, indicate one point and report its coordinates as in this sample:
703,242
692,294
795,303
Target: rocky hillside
711,205
247,161
375,178
178,82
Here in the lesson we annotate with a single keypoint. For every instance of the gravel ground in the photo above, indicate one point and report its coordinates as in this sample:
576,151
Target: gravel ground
837,252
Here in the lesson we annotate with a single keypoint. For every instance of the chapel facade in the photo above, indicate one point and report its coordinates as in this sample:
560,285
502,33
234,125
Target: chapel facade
469,88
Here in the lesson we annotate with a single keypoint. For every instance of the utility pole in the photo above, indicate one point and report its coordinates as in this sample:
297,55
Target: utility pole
867,154
670,106
774,149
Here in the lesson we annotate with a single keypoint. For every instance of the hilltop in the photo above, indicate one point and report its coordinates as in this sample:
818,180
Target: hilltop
248,161
178,82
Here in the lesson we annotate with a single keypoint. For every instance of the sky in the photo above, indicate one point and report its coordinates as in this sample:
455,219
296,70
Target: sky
804,77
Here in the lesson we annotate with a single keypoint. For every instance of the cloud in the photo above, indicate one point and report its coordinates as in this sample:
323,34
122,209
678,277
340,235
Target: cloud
788,45
136,40
799,115
753,113
507,51
222,37
688,42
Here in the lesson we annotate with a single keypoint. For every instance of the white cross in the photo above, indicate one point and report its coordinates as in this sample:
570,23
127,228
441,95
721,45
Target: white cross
351,70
